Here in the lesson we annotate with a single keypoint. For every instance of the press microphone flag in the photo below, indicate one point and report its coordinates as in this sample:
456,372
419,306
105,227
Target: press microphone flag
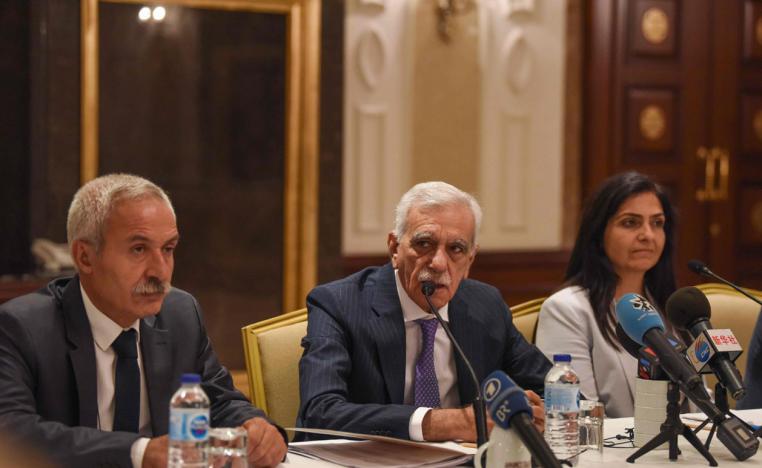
648,361
710,343
643,324
689,309
509,408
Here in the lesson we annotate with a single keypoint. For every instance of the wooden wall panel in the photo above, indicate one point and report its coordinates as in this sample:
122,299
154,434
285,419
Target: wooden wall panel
14,288
750,219
704,56
14,136
652,27
650,122
751,125
752,30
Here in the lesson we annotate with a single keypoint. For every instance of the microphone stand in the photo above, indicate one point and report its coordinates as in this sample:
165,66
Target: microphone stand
705,271
721,400
480,411
670,429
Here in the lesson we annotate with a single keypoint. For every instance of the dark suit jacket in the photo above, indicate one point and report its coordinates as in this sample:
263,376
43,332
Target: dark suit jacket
352,372
48,390
753,376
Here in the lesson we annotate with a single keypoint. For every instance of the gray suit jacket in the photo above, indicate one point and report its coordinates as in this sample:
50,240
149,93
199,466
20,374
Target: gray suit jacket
48,394
352,372
567,325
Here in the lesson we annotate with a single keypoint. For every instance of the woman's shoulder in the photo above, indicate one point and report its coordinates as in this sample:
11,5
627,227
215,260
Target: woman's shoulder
567,302
569,295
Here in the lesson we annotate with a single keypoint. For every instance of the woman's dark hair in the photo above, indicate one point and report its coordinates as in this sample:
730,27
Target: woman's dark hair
590,268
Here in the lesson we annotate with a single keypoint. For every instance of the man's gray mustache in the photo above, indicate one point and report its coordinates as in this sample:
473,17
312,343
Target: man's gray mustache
152,286
443,278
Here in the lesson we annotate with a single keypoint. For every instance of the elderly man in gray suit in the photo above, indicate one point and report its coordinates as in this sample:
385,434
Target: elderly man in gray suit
88,365
375,360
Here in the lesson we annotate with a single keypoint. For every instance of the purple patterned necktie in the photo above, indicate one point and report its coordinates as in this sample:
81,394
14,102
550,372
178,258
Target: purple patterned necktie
426,385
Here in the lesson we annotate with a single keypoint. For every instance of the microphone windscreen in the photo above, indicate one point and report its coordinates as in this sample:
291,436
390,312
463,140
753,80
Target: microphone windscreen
637,316
686,305
428,288
627,343
697,266
504,398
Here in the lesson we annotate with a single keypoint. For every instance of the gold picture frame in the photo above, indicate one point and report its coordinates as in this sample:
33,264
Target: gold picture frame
302,113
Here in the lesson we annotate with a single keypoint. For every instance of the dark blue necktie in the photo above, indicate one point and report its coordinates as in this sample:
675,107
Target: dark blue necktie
126,383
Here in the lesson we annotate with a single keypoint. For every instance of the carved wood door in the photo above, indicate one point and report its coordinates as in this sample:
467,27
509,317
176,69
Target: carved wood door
674,89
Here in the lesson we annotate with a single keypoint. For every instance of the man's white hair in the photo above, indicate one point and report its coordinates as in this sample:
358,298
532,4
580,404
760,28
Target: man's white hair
435,194
92,204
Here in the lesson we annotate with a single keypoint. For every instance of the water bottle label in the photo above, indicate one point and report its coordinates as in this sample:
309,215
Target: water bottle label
563,397
189,424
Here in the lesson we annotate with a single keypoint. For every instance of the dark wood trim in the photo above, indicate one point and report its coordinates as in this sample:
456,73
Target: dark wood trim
18,287
598,94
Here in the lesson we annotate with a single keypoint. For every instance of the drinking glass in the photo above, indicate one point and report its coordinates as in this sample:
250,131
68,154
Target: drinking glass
227,447
591,415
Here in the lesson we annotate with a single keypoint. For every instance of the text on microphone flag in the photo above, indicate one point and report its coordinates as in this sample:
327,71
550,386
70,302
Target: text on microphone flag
724,339
641,303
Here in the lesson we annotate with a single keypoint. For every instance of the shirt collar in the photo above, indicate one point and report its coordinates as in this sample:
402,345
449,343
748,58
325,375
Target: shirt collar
103,328
410,310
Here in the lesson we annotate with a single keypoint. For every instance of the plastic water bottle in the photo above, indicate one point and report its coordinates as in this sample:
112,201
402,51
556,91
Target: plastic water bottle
562,409
189,425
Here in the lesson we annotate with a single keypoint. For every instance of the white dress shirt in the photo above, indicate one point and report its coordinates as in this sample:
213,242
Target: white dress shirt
444,361
105,331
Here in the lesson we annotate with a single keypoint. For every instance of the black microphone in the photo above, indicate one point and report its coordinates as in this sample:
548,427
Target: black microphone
480,414
509,408
643,324
689,309
699,267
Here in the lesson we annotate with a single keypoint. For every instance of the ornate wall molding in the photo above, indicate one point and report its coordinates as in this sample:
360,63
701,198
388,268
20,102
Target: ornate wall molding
522,52
520,188
376,148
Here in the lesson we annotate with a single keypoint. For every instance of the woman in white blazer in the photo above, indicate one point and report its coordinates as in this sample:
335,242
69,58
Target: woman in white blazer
624,245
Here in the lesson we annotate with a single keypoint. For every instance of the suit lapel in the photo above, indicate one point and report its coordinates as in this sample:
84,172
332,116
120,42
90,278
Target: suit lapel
81,353
466,332
157,360
629,375
389,331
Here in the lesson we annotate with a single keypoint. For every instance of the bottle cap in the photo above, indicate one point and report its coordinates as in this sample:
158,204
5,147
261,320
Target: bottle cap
190,378
561,358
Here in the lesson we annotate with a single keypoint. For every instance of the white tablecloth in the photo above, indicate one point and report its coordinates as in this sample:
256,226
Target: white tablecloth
616,457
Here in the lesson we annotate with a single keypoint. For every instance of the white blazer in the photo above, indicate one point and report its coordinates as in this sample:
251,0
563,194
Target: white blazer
567,326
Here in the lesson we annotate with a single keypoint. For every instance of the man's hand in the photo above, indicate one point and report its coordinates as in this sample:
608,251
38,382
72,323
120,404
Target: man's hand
266,445
451,424
155,455
538,410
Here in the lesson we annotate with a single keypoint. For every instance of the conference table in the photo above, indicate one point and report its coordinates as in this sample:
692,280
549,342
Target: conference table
616,457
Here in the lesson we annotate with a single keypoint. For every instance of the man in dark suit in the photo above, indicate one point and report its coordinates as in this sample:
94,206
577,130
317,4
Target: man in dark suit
89,364
376,361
